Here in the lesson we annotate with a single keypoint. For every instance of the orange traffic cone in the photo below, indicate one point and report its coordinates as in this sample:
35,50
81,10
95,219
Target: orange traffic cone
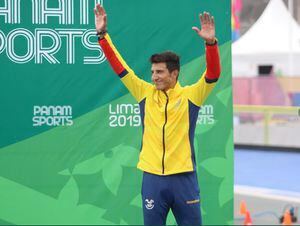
243,208
287,219
248,220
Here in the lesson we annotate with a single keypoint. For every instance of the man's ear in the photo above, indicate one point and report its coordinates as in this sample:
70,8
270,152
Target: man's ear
175,74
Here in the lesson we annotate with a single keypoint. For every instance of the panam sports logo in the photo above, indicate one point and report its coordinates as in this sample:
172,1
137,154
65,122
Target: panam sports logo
52,116
206,115
57,35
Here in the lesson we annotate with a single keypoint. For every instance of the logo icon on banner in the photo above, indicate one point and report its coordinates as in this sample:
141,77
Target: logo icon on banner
149,204
52,116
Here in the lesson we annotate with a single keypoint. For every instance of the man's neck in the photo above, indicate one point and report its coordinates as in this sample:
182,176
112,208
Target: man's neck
171,87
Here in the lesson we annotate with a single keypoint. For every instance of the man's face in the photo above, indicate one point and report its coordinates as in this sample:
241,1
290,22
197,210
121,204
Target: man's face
162,78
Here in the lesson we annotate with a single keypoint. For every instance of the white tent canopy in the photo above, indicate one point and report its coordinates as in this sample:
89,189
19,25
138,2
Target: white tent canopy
273,40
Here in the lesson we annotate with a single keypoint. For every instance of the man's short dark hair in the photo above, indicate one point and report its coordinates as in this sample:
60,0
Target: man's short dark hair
170,58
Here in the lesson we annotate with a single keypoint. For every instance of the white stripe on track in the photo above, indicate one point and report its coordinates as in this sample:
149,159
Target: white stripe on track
267,193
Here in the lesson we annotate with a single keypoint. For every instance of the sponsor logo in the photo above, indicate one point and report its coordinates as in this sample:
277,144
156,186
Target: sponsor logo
177,104
149,204
192,201
52,116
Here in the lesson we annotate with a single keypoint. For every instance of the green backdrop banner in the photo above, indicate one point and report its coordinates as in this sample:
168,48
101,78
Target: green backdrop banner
71,133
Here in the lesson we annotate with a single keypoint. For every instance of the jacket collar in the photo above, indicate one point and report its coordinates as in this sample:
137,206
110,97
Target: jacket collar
172,93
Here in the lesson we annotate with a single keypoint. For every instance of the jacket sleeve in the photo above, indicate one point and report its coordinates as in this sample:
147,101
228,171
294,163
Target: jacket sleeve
136,86
198,92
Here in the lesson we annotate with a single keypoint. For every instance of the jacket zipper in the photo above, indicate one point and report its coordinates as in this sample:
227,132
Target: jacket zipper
164,144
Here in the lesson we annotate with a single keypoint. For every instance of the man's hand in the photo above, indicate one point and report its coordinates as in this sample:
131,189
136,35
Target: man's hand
208,28
100,18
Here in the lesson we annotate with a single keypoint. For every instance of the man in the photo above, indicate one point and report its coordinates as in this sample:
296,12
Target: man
169,113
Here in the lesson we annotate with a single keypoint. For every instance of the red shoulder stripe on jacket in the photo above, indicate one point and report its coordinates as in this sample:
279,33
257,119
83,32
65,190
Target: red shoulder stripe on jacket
213,63
111,56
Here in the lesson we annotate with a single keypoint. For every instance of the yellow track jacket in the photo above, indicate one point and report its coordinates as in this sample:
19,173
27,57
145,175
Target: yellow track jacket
168,118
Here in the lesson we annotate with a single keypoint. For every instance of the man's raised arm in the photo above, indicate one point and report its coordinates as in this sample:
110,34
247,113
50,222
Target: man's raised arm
208,34
112,55
136,86
199,91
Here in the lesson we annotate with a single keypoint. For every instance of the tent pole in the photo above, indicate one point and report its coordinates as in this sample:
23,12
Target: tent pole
291,7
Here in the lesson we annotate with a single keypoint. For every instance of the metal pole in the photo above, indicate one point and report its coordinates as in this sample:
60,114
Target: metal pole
290,55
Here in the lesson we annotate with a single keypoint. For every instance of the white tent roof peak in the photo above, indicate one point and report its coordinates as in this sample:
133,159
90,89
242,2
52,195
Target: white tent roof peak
275,31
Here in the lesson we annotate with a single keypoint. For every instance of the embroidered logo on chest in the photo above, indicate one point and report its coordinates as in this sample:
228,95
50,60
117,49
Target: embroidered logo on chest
177,104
